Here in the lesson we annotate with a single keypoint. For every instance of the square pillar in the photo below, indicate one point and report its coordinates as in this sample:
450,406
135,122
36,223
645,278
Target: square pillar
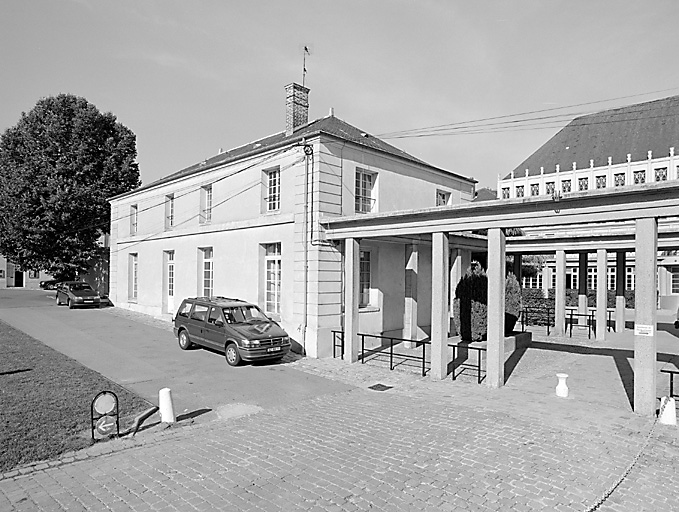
455,275
582,287
601,294
439,306
351,289
495,356
516,267
620,284
645,349
410,309
560,295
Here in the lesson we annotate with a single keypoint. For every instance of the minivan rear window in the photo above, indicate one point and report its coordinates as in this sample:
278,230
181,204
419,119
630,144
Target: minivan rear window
184,309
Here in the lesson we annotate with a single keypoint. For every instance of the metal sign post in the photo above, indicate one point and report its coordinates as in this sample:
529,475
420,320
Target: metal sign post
105,418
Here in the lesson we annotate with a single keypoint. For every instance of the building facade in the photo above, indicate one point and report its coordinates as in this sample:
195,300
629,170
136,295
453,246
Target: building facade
246,223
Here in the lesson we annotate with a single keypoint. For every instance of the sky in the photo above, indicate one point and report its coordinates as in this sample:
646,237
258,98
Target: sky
191,77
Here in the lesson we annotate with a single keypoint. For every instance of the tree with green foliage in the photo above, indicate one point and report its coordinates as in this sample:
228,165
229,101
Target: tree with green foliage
58,166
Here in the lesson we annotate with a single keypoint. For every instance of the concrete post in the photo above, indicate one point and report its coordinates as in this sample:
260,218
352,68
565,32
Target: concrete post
645,349
439,306
495,363
601,294
455,276
582,287
546,275
516,267
620,284
351,285
410,313
560,294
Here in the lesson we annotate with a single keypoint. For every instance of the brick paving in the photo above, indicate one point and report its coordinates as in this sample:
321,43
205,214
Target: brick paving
421,445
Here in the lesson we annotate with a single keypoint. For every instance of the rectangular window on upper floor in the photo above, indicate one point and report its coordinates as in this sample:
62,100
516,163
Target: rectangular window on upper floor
169,211
364,191
206,204
442,198
134,219
271,181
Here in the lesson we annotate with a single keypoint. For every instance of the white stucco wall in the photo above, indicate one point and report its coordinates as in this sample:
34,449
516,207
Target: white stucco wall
239,227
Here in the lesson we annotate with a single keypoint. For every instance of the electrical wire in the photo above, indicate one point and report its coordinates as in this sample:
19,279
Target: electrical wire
477,123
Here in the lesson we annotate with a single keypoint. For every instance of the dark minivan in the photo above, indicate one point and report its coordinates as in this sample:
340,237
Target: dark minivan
239,329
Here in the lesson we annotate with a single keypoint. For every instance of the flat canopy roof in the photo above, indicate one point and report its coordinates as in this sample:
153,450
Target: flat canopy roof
651,200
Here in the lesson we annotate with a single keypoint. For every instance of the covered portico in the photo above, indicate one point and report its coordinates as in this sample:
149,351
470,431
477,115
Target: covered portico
643,206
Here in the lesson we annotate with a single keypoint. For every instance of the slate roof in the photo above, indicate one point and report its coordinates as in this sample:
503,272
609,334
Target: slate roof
485,194
635,129
329,125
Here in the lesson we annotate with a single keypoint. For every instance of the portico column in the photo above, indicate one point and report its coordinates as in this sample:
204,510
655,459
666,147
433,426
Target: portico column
601,294
351,289
582,287
455,275
620,284
645,350
410,314
560,294
439,306
545,281
495,362
516,267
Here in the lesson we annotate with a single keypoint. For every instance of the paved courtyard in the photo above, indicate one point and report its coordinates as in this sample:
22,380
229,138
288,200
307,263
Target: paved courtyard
420,445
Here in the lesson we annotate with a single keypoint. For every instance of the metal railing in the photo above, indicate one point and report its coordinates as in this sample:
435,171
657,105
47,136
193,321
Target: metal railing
410,357
538,313
365,353
590,324
479,350
335,344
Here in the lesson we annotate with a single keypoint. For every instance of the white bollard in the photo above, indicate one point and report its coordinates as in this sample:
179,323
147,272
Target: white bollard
668,411
166,406
561,387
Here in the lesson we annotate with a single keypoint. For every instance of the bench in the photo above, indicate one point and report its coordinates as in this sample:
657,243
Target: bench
589,321
478,348
671,374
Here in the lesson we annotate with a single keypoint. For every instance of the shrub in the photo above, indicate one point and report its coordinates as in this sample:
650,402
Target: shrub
471,293
470,307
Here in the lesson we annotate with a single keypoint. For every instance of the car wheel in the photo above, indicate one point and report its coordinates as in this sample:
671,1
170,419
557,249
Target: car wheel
184,340
69,303
232,355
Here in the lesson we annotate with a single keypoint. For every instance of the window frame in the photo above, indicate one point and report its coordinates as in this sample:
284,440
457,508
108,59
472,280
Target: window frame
169,211
364,285
206,202
133,277
273,262
134,219
207,272
443,195
364,199
272,189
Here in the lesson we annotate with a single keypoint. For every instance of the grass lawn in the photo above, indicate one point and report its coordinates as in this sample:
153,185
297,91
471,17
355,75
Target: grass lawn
45,400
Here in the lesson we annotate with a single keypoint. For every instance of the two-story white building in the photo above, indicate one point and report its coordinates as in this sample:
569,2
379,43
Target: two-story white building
246,223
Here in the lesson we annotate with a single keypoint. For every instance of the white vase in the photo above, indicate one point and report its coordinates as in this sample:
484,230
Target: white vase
561,387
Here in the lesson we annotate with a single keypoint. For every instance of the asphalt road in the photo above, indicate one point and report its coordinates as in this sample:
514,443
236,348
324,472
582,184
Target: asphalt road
146,358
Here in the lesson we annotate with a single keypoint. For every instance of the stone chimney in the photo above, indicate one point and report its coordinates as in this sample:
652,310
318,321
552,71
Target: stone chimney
296,107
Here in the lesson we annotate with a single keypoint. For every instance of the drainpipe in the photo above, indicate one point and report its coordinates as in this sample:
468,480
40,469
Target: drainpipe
308,150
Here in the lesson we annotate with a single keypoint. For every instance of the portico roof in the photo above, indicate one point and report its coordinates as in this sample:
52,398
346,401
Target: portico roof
652,200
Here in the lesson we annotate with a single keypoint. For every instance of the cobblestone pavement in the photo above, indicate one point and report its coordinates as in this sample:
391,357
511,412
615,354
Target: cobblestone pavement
420,445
